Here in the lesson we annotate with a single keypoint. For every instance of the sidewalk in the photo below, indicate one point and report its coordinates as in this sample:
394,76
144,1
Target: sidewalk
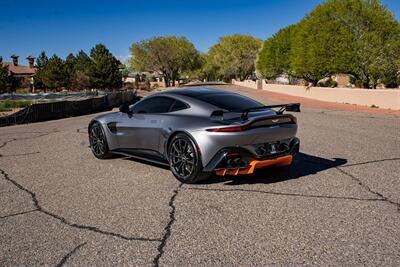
311,103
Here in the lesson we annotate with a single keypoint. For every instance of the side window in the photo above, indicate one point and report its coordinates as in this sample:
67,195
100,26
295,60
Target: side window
178,105
154,105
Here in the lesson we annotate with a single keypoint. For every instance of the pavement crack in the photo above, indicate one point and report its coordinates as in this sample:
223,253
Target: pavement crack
369,189
357,180
16,214
69,254
369,162
284,194
25,138
6,142
40,209
167,229
21,154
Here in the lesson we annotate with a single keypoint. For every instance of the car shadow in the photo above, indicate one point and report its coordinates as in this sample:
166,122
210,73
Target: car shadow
303,165
143,161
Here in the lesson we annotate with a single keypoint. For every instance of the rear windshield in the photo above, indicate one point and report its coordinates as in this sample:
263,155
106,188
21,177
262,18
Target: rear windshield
230,102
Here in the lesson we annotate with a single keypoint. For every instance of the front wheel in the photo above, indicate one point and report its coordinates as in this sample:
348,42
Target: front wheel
184,160
98,141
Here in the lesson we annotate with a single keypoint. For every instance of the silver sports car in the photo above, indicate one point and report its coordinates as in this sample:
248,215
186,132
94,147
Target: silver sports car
199,131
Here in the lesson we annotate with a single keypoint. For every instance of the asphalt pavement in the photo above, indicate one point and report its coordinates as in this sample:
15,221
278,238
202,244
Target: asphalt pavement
338,204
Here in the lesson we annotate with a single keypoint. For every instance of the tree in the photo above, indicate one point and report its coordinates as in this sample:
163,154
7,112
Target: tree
5,80
357,37
104,70
70,62
54,74
320,46
377,41
234,56
204,70
169,56
79,68
41,62
274,57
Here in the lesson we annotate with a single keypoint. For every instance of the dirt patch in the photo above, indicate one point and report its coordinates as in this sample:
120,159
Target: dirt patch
6,113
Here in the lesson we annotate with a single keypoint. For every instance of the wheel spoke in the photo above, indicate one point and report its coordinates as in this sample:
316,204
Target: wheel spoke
177,162
179,168
94,134
183,169
97,140
182,156
175,148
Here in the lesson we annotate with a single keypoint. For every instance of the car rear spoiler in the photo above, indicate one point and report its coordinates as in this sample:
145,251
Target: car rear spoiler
293,107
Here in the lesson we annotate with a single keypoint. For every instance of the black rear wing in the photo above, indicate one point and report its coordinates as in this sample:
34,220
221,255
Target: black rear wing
293,107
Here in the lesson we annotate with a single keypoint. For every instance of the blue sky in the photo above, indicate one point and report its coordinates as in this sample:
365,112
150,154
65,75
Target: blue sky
60,27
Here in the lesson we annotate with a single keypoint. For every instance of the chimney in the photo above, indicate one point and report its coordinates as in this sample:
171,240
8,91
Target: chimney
15,59
31,61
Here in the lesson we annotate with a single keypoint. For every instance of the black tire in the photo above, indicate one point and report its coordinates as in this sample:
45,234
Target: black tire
184,160
98,141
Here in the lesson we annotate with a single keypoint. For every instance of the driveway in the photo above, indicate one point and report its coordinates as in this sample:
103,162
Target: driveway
339,204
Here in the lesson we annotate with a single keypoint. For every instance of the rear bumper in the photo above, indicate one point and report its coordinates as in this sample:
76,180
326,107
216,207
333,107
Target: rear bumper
253,162
211,143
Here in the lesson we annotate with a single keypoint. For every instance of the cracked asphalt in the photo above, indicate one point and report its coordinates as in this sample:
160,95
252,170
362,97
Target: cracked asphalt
338,204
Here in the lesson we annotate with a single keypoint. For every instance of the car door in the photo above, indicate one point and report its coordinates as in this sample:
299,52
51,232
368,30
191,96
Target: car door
141,130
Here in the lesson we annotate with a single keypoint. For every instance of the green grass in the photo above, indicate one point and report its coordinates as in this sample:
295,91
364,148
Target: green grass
23,91
7,105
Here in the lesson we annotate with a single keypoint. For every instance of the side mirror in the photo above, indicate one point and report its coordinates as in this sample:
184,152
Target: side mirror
124,108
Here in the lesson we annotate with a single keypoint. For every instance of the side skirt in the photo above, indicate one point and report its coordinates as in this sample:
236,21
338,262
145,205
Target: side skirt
150,156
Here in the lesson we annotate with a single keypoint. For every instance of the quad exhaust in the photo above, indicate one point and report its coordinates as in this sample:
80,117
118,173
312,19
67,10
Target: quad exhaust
255,164
236,163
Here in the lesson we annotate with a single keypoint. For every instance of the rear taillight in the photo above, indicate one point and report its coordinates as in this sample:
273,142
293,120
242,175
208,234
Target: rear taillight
229,129
263,122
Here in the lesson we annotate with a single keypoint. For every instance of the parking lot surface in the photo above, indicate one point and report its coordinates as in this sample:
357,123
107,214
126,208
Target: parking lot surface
338,204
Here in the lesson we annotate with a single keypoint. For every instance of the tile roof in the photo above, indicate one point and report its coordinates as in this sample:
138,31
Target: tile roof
20,69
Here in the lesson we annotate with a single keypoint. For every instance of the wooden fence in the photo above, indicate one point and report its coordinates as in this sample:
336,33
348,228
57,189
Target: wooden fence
62,109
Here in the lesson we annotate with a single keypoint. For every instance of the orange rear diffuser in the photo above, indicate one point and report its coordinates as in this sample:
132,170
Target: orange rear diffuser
255,164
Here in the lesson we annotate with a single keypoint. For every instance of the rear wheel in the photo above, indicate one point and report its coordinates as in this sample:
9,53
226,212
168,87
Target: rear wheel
184,160
98,141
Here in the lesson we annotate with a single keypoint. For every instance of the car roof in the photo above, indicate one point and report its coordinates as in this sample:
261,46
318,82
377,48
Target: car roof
195,92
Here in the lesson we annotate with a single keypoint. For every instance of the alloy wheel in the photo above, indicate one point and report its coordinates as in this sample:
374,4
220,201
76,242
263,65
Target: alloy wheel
97,140
182,157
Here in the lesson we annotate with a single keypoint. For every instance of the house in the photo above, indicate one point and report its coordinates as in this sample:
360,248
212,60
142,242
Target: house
22,75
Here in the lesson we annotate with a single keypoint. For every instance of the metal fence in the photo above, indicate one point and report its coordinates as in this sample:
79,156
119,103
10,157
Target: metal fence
62,109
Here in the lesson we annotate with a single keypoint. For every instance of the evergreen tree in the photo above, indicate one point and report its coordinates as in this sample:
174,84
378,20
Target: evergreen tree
83,67
54,74
41,62
5,80
104,71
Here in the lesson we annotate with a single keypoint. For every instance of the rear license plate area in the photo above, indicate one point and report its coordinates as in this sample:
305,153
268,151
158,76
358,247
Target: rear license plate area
271,148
